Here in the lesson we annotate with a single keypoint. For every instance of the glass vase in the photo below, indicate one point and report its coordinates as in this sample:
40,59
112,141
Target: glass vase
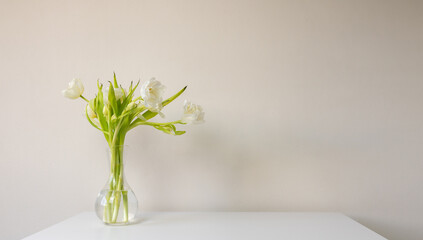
116,203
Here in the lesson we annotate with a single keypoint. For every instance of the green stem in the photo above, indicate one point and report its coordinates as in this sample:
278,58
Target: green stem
118,183
125,205
138,123
84,98
136,99
108,210
116,194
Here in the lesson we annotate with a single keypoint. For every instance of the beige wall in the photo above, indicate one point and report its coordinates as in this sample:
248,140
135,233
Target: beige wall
310,106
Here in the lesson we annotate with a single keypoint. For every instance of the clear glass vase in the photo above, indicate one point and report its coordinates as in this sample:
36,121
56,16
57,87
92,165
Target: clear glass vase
116,203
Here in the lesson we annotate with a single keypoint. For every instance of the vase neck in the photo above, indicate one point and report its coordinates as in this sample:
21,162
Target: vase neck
116,159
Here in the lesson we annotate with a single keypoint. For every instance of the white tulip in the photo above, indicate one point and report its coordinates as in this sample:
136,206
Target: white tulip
192,113
119,94
105,110
74,90
151,92
91,113
131,105
96,122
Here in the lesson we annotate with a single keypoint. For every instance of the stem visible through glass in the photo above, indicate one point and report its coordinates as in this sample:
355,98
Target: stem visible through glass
116,191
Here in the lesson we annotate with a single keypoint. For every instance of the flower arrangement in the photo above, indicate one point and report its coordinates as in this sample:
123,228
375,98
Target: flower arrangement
114,111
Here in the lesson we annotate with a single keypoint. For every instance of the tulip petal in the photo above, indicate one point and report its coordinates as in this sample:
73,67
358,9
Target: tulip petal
149,114
70,93
74,90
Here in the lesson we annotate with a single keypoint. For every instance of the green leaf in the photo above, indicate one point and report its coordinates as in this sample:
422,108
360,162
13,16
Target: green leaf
169,100
99,109
168,128
89,120
130,86
130,94
93,103
115,81
99,85
112,99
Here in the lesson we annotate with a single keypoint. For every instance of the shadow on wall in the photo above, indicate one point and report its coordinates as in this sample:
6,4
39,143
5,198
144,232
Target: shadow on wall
208,170
199,171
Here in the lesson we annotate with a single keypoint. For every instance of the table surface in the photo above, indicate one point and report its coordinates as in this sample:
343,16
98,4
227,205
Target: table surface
213,225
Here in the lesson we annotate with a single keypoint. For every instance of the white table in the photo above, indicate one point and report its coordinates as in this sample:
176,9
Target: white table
213,226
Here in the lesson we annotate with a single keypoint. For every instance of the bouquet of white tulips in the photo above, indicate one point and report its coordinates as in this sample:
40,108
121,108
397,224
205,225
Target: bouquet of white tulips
114,111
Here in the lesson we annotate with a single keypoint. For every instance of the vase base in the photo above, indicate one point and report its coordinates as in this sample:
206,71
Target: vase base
117,223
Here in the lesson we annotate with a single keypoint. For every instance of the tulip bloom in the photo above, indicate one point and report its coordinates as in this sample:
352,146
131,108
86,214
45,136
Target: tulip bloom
192,113
91,113
151,92
119,94
74,90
